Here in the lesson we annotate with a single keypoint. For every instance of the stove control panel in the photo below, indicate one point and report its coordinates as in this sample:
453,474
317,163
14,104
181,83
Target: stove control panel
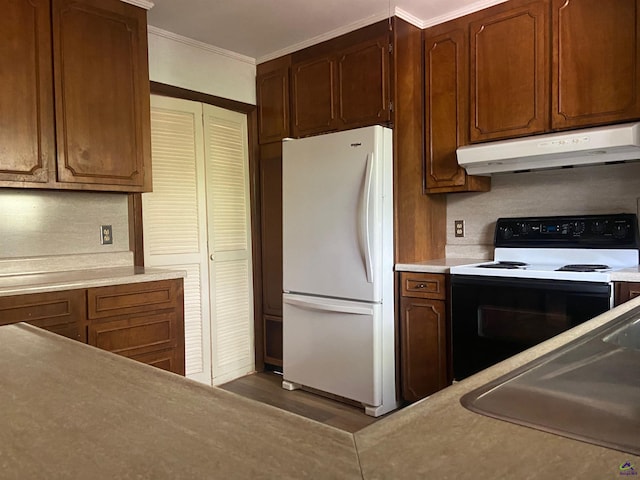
600,231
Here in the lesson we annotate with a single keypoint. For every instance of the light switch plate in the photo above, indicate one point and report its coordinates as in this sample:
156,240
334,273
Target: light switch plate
459,228
106,235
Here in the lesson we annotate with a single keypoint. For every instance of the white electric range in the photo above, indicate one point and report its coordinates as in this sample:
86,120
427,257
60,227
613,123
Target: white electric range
548,275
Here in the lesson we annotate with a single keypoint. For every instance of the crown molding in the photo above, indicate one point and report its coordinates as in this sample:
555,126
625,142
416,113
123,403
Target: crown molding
461,12
407,17
146,4
325,36
200,45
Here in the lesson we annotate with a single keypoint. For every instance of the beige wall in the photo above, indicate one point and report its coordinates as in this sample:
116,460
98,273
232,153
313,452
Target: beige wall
583,190
43,223
185,63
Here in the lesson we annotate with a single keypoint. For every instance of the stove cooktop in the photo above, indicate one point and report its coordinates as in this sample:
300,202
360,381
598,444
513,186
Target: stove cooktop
575,248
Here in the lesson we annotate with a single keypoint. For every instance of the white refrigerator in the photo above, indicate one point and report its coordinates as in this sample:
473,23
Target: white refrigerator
338,308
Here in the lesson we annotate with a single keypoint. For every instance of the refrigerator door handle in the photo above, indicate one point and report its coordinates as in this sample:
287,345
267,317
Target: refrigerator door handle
325,306
365,206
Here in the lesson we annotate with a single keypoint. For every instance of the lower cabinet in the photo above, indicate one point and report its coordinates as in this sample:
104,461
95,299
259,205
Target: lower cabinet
423,335
625,291
142,321
58,312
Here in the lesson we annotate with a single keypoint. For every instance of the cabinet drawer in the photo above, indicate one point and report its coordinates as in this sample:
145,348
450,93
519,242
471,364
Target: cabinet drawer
58,312
104,302
135,336
423,285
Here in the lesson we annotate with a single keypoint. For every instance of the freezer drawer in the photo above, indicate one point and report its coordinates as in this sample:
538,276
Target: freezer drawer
333,346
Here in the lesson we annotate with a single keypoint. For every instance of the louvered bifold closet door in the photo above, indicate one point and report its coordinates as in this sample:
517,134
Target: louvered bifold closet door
226,154
175,221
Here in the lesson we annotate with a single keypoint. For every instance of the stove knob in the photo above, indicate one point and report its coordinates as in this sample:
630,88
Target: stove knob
506,233
619,230
578,228
525,229
597,227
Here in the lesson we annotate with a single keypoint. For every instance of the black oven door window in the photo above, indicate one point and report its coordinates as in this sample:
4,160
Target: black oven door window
495,318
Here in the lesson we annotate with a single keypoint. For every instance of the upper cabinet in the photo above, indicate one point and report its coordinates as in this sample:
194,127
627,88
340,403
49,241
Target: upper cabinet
82,66
596,62
272,93
342,83
447,109
509,71
27,142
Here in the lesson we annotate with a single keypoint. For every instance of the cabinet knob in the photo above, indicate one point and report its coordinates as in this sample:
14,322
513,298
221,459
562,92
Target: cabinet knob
421,285
212,257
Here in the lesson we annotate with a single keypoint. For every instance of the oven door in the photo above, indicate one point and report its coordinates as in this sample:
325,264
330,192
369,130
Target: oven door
494,318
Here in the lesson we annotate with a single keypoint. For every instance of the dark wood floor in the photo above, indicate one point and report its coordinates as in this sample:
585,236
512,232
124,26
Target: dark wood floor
266,387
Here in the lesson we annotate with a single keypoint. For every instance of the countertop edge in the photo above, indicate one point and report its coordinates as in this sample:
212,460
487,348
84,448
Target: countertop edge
77,279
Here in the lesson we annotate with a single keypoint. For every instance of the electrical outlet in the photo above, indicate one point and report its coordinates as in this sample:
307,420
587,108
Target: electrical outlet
459,228
106,235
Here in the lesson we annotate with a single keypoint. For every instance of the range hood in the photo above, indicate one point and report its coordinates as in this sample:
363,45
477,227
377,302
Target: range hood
574,148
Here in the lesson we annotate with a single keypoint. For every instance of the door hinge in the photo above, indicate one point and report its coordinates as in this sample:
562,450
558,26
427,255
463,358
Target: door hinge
391,48
390,105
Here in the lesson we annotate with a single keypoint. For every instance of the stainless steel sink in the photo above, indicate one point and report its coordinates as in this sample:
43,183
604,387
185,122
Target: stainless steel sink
588,390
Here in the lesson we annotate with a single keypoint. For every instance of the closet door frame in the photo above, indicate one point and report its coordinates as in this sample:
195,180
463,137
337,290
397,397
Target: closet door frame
135,200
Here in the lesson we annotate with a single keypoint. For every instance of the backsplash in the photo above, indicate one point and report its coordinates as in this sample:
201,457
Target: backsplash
574,191
37,223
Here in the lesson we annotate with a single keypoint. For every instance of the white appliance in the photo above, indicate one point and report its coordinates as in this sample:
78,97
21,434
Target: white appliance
338,309
588,146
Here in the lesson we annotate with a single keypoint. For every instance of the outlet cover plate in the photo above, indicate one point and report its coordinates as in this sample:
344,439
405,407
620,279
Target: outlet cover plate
106,235
459,228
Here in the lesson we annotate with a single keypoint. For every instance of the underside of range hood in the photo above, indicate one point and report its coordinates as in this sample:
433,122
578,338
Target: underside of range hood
589,146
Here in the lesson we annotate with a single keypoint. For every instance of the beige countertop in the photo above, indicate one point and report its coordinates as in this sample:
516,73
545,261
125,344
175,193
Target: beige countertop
437,438
72,411
72,279
439,265
626,275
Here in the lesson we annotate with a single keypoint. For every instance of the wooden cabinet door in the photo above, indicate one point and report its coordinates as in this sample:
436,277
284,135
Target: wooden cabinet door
625,291
271,226
446,105
447,109
27,139
509,91
313,96
424,347
58,312
101,93
271,249
272,91
363,83
596,62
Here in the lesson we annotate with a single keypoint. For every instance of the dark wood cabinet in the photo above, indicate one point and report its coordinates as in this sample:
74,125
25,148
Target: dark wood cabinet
272,93
509,71
270,167
447,109
423,335
313,96
76,99
59,312
363,83
101,92
342,83
143,321
625,291
596,62
27,139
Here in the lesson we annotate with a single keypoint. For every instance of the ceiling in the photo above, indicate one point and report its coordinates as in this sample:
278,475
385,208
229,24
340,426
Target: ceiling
265,29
